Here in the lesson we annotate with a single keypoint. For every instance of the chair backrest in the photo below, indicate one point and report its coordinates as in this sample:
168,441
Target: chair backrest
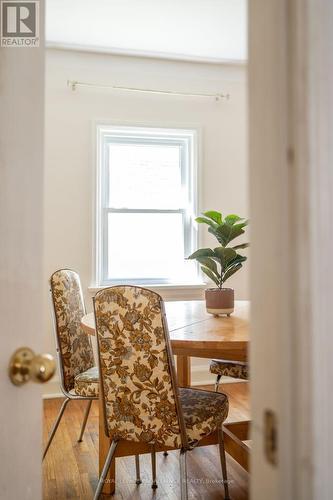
73,345
137,372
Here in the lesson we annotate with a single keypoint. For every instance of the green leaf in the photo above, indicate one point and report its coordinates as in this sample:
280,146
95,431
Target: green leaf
203,220
215,216
213,230
210,275
226,233
230,272
243,245
226,255
232,218
242,224
237,260
210,263
202,252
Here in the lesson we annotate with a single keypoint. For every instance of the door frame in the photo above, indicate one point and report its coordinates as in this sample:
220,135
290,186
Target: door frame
291,183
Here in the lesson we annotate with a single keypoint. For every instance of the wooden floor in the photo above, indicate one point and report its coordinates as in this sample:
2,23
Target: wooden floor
70,468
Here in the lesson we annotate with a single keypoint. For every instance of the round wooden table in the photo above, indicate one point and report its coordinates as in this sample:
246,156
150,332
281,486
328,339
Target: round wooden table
195,333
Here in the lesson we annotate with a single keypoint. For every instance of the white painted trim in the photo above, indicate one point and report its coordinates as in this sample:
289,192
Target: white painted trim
53,395
164,286
52,387
301,258
100,127
186,141
143,54
197,159
315,151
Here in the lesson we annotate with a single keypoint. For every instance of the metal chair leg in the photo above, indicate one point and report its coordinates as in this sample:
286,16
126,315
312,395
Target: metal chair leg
137,468
153,467
55,426
223,464
218,378
105,469
86,415
183,475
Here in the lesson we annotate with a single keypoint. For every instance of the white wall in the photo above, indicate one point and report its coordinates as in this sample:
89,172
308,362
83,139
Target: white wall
70,143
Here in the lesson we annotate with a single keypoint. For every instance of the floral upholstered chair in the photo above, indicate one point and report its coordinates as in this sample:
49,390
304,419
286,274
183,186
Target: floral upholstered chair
78,374
234,369
142,402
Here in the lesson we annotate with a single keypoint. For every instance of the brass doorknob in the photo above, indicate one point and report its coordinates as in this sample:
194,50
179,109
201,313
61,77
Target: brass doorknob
25,365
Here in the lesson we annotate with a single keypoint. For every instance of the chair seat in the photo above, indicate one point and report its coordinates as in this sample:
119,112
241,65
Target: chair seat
204,412
86,383
235,369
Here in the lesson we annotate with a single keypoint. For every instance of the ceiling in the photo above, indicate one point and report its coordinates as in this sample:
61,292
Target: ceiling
212,30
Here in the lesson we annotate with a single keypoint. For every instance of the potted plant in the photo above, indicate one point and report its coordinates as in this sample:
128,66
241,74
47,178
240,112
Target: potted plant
220,263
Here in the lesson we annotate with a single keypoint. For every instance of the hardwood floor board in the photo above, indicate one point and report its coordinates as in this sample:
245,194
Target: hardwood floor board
70,469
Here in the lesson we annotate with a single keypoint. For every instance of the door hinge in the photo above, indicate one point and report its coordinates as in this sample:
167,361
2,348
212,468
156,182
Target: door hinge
270,436
290,156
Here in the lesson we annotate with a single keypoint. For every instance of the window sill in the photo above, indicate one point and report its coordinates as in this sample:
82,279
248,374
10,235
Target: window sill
169,291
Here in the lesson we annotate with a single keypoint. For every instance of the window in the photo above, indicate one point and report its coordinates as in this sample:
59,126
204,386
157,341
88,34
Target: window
146,184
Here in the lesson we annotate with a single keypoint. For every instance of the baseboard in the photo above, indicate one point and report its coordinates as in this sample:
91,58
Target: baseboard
52,389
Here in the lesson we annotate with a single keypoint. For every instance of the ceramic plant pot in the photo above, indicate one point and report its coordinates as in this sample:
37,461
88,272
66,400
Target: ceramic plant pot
220,301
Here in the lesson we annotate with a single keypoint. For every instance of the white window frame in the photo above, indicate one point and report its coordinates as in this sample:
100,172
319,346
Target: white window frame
187,139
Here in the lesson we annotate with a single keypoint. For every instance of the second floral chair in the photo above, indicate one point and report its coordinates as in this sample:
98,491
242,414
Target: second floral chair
142,402
79,377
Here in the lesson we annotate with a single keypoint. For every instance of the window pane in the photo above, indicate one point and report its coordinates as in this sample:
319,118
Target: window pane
145,246
145,176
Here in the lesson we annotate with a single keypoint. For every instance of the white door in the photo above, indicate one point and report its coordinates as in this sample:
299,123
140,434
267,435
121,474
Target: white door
21,254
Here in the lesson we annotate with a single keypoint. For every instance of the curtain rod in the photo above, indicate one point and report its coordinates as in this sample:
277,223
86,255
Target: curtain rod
73,84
